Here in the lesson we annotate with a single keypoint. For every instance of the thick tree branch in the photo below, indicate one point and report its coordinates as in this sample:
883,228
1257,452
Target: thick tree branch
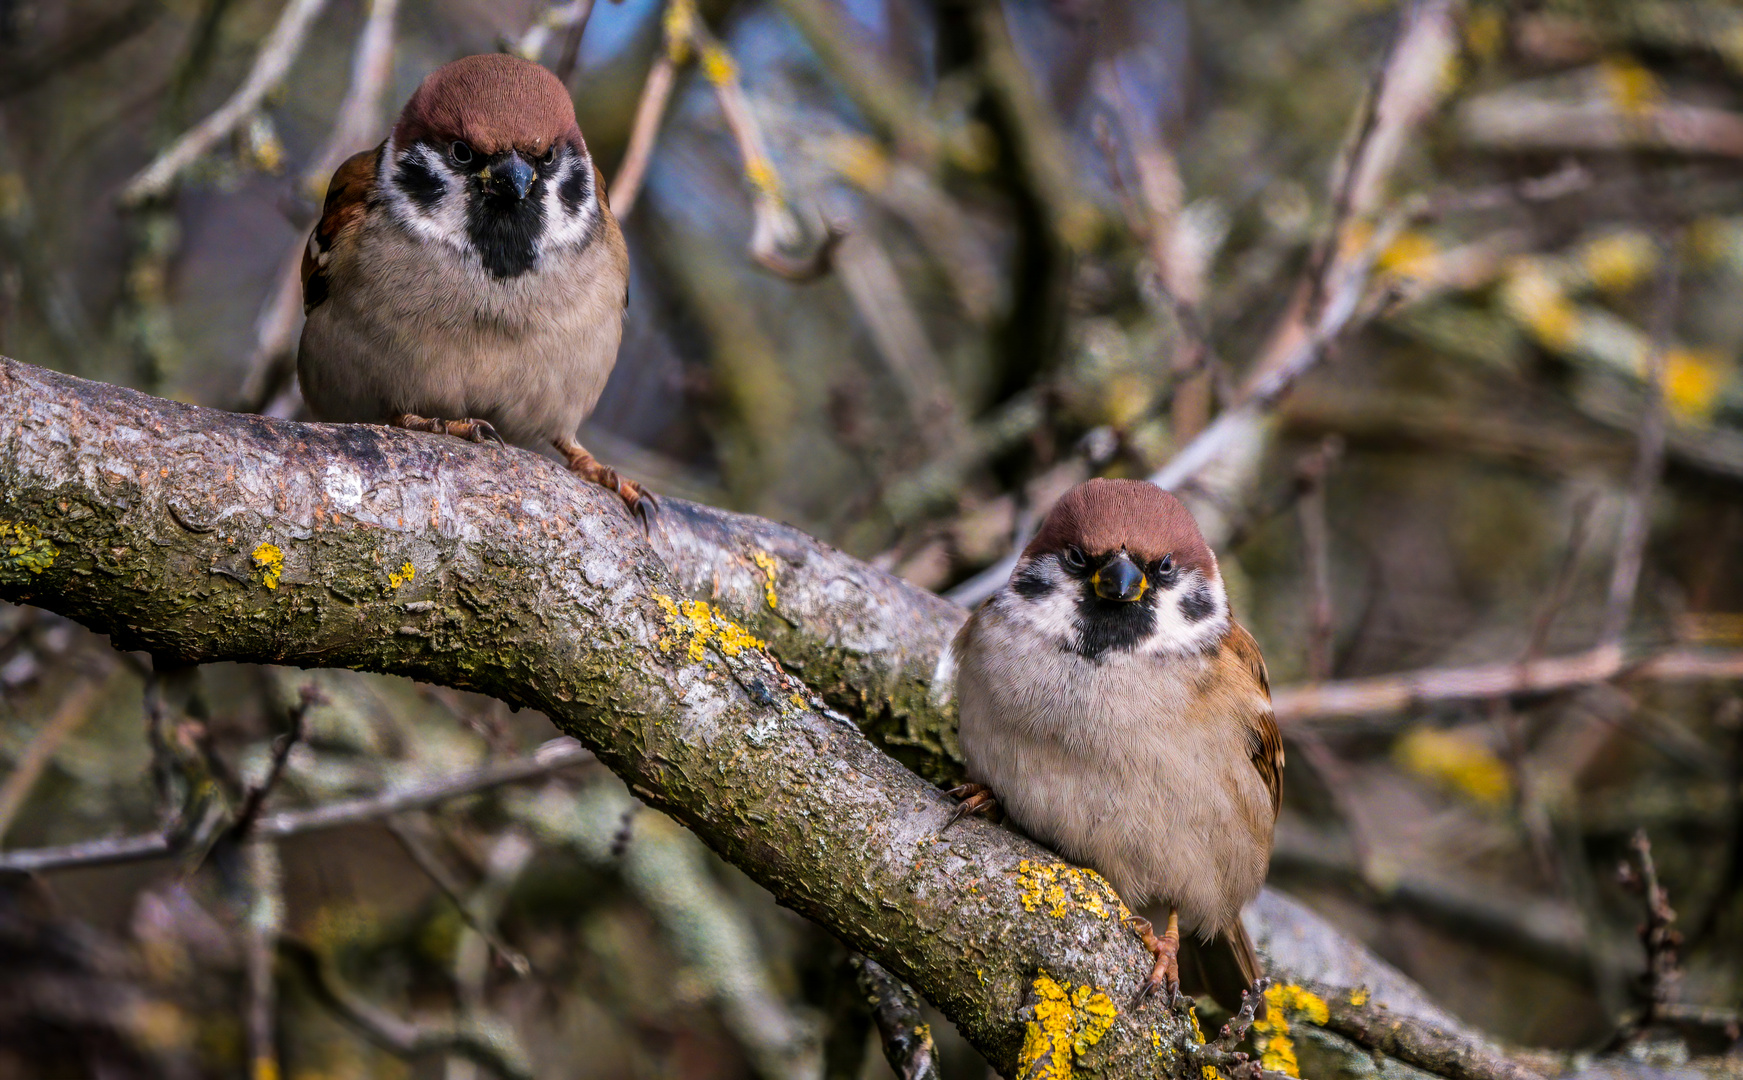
203,536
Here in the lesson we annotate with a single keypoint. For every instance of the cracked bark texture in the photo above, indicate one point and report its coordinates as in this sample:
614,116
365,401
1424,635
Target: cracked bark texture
201,536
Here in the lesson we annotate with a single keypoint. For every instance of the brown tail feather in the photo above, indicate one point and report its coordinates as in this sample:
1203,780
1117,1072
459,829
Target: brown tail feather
1221,967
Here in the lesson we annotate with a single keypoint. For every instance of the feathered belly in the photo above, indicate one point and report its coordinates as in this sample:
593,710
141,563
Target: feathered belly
1129,785
425,335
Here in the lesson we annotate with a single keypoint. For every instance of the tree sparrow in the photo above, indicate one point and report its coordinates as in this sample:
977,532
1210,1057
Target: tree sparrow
1117,714
466,275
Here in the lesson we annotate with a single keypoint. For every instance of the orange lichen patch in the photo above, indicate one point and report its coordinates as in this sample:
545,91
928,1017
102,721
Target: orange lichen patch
1456,761
698,627
1054,887
1066,1023
269,560
26,548
1694,379
1271,1035
766,563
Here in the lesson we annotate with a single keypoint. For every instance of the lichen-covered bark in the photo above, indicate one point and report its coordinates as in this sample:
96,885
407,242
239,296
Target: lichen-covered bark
870,643
202,536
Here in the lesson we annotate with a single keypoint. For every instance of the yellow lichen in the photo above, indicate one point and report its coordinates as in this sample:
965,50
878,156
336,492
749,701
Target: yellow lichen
1694,379
1411,255
1458,761
1066,1023
766,563
270,561
1536,299
1618,261
1359,996
698,626
680,28
717,65
402,575
1208,1072
1634,91
1271,1035
1053,886
26,548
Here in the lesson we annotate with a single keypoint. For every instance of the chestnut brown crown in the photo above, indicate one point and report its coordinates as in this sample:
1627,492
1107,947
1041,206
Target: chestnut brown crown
1100,517
492,102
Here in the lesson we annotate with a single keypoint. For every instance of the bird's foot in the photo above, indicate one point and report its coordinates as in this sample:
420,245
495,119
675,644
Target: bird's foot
478,431
1165,975
976,799
641,502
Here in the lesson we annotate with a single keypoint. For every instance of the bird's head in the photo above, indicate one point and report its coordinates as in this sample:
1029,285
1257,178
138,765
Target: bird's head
1119,566
487,159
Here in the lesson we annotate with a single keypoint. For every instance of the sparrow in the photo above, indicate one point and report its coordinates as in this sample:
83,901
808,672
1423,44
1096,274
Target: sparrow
467,276
1117,714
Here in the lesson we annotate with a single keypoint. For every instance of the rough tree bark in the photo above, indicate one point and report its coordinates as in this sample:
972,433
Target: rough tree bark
202,536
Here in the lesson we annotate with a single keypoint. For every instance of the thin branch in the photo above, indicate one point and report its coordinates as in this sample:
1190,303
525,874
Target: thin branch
271,65
1658,935
1381,694
408,831
74,710
1648,465
650,110
264,924
491,1048
906,1038
1416,1042
255,798
557,754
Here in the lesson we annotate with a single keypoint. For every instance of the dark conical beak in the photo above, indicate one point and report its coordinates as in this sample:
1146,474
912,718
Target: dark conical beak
1119,579
513,173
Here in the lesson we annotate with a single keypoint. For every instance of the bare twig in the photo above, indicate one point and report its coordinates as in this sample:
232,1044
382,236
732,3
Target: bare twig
271,65
1657,934
265,921
1648,465
557,754
895,1009
408,831
570,18
1416,1042
74,710
649,111
492,1048
1396,693
255,798
1220,1053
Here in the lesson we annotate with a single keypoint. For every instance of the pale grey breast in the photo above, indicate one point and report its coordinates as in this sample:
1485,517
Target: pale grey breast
1113,765
531,354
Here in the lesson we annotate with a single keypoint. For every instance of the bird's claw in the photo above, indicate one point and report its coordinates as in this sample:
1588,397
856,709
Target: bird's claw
976,799
1165,975
483,431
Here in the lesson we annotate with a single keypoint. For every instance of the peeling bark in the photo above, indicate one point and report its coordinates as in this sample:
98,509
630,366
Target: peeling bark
202,536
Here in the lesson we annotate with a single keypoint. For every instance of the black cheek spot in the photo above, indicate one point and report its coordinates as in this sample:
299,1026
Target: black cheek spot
314,291
1031,583
1198,604
420,183
576,187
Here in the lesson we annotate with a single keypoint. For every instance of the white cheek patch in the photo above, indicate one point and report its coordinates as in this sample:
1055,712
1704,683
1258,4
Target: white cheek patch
440,220
1190,617
566,227
1052,614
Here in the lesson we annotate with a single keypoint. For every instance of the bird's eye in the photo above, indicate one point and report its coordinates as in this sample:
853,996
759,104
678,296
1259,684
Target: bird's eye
1166,566
550,155
460,152
1074,557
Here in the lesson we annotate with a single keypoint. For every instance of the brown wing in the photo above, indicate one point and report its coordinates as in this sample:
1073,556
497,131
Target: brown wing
1264,741
347,199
